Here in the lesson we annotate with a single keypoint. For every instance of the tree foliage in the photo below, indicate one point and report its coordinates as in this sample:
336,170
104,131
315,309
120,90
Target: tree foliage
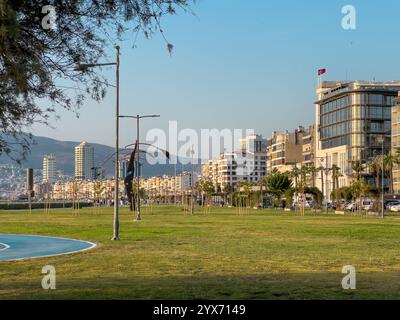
35,63
278,183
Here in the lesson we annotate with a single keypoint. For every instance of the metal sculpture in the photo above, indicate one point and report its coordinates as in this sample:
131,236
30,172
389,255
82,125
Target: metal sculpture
128,181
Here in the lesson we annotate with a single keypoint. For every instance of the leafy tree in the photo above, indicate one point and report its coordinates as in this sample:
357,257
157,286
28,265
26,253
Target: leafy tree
317,195
208,188
37,73
359,188
289,194
345,193
277,184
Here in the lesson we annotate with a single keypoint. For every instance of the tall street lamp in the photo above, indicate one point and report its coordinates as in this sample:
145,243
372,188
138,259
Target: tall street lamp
326,171
381,139
138,117
82,68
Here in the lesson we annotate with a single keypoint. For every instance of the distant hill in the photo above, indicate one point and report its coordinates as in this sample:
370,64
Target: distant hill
64,152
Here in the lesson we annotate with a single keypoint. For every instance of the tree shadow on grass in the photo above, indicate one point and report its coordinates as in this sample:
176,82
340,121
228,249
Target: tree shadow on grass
293,286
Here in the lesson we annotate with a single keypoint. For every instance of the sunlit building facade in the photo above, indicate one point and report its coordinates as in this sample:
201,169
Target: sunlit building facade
84,161
396,141
350,116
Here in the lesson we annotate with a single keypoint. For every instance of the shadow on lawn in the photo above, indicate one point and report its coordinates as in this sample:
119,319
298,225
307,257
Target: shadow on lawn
377,285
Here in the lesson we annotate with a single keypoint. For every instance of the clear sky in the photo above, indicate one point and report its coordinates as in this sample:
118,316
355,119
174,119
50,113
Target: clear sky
241,64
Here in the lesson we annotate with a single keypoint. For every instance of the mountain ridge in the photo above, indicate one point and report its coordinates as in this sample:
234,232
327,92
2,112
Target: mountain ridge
64,152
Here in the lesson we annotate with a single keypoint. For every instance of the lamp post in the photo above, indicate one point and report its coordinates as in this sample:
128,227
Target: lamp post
381,139
325,170
82,68
138,117
192,184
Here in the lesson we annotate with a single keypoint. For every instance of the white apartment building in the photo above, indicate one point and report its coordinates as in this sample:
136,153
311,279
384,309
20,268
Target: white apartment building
350,116
246,164
84,161
49,168
168,186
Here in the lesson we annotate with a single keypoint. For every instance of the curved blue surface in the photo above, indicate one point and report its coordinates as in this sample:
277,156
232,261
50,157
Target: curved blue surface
20,247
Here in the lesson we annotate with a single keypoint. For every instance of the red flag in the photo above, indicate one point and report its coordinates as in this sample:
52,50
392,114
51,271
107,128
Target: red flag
321,72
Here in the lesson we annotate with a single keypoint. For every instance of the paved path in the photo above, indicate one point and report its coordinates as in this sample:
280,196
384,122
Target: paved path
21,247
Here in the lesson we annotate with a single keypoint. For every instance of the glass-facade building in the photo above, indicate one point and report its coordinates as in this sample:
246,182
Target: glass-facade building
350,118
396,141
355,117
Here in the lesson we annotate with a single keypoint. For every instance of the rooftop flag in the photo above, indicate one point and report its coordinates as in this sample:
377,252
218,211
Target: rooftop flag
321,72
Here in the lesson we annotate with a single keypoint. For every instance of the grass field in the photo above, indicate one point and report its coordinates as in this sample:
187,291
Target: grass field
263,255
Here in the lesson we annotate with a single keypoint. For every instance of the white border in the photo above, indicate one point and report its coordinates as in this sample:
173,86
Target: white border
92,245
6,246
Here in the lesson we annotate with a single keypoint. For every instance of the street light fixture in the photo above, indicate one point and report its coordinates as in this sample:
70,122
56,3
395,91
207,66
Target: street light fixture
138,117
381,139
326,171
83,68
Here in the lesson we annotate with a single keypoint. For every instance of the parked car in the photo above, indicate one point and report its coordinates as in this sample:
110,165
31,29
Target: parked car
367,205
309,204
388,205
350,206
395,207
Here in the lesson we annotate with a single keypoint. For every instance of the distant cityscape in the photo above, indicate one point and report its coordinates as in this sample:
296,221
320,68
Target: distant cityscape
350,119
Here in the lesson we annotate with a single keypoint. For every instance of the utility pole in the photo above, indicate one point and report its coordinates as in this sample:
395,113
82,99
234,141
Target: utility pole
175,182
192,185
82,68
116,170
137,160
138,216
381,139
326,181
182,197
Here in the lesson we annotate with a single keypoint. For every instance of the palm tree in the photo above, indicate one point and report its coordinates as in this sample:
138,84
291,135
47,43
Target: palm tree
390,161
322,169
358,169
295,173
304,172
375,167
277,184
313,171
336,174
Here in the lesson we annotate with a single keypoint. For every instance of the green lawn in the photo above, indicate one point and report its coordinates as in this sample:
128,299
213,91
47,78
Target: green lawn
263,255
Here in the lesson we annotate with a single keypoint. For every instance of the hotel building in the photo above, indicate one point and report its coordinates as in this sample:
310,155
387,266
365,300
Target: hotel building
396,141
350,116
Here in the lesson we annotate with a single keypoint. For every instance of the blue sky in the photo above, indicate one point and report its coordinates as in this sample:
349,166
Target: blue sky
241,64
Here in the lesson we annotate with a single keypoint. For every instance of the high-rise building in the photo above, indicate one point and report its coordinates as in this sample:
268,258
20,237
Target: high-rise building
396,141
123,168
84,161
350,118
285,150
49,168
